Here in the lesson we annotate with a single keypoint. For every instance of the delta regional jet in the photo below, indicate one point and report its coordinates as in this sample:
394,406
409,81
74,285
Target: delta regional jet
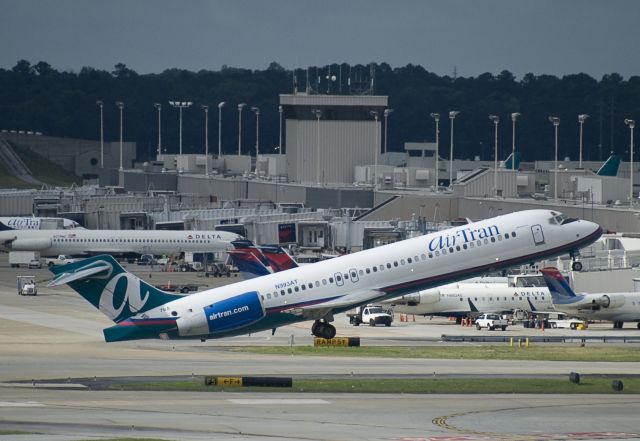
319,291
618,307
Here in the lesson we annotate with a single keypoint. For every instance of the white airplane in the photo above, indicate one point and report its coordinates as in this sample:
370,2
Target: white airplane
37,223
618,307
319,291
465,299
81,242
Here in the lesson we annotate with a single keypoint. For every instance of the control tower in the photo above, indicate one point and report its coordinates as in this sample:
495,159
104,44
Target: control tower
328,135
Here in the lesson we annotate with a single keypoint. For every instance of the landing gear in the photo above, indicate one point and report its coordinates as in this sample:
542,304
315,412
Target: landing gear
618,325
323,330
575,265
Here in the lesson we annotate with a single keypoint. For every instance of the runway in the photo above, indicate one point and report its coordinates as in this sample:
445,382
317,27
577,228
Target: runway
58,335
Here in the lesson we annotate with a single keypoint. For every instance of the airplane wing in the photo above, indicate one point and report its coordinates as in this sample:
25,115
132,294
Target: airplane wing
321,310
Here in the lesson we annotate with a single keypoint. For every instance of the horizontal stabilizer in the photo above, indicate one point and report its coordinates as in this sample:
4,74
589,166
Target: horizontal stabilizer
92,269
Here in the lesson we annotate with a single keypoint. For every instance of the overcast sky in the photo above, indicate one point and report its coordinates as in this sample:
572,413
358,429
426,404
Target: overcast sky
475,36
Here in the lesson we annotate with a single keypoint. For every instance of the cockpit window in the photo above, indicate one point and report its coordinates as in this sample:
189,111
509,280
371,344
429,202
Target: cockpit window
560,219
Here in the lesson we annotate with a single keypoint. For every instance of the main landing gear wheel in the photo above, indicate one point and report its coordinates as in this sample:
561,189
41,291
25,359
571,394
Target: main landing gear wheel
324,330
576,266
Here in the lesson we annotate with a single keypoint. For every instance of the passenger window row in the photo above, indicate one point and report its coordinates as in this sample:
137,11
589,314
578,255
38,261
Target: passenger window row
374,269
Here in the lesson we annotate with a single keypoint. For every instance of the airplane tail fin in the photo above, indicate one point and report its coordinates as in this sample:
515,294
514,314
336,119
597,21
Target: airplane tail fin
106,285
610,167
278,258
513,161
249,265
558,286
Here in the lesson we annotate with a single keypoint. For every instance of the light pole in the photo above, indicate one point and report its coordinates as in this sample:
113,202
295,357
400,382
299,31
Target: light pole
496,121
101,104
206,138
181,105
280,142
375,115
386,114
581,119
632,124
240,107
256,110
159,107
452,116
436,117
120,106
318,114
514,117
220,106
556,122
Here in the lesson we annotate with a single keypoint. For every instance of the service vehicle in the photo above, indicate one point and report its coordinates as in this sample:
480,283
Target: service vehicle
491,322
24,258
27,286
60,260
564,321
371,314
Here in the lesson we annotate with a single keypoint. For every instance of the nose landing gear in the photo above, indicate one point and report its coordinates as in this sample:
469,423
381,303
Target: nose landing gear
323,329
575,265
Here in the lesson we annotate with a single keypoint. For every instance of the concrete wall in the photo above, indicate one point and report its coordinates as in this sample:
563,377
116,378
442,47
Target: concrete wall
76,155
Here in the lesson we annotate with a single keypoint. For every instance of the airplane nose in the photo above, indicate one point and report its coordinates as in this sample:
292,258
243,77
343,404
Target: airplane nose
593,230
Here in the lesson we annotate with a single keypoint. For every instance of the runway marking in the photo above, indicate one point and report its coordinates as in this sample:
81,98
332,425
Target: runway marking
268,401
22,404
45,385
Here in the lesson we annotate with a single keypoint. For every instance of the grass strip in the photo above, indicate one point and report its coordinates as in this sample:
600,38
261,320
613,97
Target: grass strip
544,353
588,385
15,432
45,170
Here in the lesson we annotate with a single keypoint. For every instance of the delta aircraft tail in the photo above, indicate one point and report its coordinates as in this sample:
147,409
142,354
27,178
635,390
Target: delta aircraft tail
117,294
558,286
255,261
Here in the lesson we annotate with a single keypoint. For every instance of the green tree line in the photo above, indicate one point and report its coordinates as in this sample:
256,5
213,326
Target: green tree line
37,97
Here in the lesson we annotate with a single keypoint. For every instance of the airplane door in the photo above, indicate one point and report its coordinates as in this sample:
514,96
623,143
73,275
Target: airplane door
538,235
353,274
339,279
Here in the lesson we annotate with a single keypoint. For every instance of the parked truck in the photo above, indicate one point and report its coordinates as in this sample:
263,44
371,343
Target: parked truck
371,314
30,259
491,322
60,260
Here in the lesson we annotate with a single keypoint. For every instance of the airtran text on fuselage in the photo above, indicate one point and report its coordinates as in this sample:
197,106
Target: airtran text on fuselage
462,236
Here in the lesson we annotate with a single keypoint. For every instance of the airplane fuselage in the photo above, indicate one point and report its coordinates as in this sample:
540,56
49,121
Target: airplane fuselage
461,299
385,272
81,242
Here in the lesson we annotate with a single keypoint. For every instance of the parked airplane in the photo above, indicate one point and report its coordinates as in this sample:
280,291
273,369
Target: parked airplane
466,299
37,223
255,261
618,307
321,290
81,242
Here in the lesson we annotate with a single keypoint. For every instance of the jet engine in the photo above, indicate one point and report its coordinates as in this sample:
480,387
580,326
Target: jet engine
612,301
225,315
29,244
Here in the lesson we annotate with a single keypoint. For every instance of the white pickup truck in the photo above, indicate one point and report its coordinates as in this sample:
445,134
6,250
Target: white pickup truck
371,315
60,260
491,322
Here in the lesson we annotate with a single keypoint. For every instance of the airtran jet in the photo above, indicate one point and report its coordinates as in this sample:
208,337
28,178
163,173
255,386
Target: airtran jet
318,291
